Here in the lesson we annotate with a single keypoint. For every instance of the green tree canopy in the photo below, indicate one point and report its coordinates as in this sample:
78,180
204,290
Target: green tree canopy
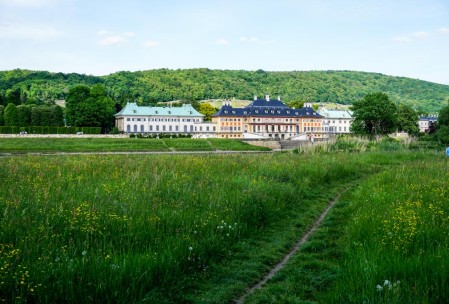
23,115
407,119
296,104
443,116
207,110
89,107
2,113
11,115
375,114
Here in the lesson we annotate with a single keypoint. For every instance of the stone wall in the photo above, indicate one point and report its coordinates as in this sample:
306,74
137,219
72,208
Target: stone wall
272,144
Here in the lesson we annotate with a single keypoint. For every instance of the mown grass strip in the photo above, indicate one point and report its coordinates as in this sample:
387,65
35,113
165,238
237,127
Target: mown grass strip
27,145
23,145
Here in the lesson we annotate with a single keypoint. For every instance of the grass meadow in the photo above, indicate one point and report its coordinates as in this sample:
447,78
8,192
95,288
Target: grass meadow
386,241
201,229
51,145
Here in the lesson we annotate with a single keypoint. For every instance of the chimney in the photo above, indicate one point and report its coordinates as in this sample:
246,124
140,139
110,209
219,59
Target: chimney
255,97
279,98
267,97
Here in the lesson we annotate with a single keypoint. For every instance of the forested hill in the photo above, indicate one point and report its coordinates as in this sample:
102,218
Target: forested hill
199,84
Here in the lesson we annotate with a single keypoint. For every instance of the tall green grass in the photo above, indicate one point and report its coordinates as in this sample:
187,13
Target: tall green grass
397,243
125,228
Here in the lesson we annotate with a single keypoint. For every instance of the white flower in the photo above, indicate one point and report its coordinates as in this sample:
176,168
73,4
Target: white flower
84,252
386,283
190,248
379,288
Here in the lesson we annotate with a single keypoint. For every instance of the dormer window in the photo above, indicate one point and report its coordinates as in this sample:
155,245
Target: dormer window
257,111
233,112
288,112
156,112
266,111
279,112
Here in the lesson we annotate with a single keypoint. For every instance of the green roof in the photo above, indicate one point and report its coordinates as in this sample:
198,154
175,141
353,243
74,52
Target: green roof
334,113
132,109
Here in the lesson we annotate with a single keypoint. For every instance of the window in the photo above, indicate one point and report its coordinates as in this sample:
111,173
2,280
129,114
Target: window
157,128
177,128
128,119
163,128
151,128
170,128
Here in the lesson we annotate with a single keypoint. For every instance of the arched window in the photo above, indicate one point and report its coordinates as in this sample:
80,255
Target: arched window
135,128
141,128
128,128
185,129
191,128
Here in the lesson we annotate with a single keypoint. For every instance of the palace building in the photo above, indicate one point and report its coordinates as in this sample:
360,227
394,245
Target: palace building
268,118
336,121
168,120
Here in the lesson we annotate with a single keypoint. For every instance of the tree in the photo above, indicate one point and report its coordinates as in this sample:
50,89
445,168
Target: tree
207,110
23,116
10,115
296,104
443,116
75,98
2,113
13,96
375,114
442,132
56,116
407,119
89,107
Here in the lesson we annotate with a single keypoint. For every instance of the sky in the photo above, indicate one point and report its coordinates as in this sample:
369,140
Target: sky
407,38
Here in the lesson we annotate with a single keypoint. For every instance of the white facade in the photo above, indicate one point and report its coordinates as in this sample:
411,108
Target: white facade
336,121
177,120
425,122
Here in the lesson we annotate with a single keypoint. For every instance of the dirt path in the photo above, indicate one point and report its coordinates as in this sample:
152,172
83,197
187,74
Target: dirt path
293,251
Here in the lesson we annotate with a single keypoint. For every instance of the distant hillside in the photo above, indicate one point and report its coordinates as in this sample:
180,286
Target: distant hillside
153,86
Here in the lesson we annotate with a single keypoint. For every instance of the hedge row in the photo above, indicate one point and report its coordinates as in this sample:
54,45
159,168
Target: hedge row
49,130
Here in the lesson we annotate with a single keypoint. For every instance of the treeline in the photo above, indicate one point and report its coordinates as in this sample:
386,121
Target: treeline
150,87
31,115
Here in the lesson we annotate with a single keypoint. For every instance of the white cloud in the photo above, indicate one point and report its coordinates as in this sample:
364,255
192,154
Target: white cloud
24,31
222,41
151,44
113,40
402,39
421,34
444,30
